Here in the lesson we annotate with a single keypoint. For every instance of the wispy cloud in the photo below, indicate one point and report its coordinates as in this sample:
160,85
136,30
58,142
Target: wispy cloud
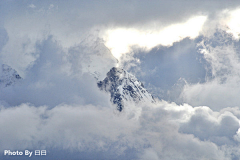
31,6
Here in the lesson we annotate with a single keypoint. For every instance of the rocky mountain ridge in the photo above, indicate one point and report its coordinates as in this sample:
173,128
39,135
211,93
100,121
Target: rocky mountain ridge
124,87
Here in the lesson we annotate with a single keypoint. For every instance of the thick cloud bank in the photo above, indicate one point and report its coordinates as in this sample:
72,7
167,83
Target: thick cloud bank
161,131
61,49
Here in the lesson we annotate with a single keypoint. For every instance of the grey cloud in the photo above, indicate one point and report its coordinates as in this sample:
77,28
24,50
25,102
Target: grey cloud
204,125
69,26
172,67
138,12
119,13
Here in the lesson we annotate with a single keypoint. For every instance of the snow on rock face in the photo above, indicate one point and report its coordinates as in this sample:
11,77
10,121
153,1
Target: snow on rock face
8,76
124,88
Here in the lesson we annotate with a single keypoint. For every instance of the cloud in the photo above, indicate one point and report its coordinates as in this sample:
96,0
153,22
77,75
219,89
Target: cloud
69,28
91,129
219,129
54,77
121,40
231,22
57,46
165,70
221,52
31,6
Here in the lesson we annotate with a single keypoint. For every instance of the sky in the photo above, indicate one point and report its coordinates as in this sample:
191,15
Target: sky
186,53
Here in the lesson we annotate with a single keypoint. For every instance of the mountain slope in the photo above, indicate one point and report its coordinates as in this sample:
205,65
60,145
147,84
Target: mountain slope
8,76
124,88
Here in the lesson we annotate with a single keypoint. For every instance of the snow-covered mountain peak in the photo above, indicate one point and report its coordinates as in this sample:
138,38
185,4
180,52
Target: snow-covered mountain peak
8,76
124,88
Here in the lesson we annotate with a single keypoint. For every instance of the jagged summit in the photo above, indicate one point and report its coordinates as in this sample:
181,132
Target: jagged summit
8,76
124,87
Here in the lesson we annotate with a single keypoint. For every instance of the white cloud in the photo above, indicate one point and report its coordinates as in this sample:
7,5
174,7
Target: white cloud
120,40
93,129
232,22
221,88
